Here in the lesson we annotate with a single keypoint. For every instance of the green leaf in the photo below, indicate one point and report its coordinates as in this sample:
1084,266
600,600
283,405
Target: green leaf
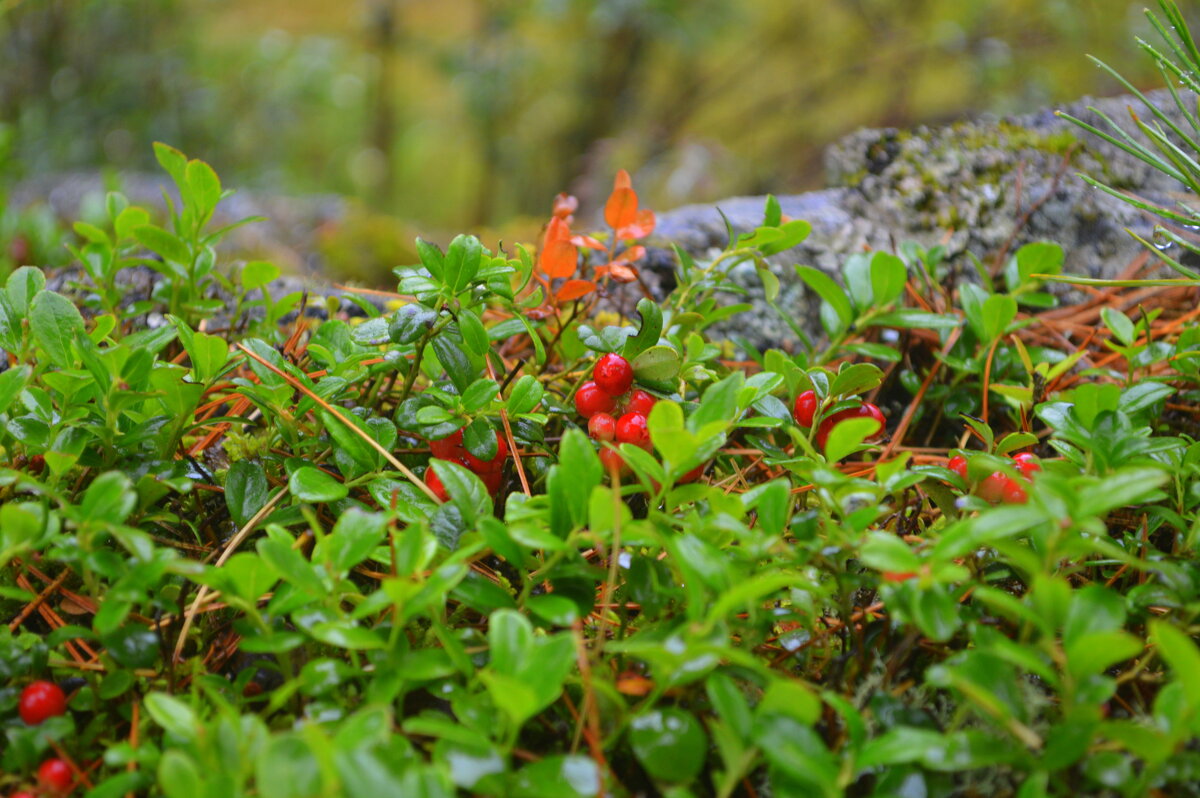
179,775
314,485
1038,257
911,318
670,743
109,499
287,768
526,394
23,285
657,364
1122,328
411,322
173,715
829,291
473,333
466,490
55,322
454,357
12,382
354,537
888,275
209,355
998,312
258,273
649,331
855,379
205,186
462,262
170,246
246,490
479,394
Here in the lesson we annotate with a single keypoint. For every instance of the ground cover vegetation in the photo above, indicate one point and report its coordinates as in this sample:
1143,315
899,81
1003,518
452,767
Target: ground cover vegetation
522,530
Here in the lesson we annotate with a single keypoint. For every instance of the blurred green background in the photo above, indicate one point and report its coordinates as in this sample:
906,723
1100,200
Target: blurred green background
472,114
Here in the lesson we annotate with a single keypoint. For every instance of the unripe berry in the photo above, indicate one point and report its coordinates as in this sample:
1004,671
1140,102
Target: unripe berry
613,374
602,427
590,400
805,409
41,700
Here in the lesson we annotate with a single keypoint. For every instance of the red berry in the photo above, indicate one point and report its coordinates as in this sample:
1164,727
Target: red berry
487,466
992,488
958,464
865,410
612,460
1014,492
613,374
435,485
41,700
640,402
22,794
631,428
56,775
448,448
1027,464
493,480
590,400
692,475
602,427
805,409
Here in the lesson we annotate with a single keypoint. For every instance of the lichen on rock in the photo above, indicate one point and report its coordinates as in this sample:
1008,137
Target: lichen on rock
980,188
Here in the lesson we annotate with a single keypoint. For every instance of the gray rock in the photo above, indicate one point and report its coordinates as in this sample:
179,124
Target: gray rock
981,188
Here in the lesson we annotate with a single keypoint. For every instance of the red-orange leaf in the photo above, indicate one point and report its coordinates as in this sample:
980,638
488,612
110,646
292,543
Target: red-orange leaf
622,180
621,208
587,241
622,273
574,289
558,258
642,226
565,205
631,255
557,230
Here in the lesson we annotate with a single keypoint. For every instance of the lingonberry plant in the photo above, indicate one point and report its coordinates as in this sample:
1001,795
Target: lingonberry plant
529,530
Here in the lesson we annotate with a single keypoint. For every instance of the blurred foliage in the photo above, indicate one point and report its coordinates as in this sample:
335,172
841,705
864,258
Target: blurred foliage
463,112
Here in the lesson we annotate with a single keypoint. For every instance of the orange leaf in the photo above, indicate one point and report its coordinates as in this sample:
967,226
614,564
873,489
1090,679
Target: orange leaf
622,180
557,230
565,205
558,258
642,226
621,208
587,241
622,273
631,255
634,684
573,289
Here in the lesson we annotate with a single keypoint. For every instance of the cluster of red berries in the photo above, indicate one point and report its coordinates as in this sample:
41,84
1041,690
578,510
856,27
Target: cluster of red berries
39,702
805,412
612,416
999,487
451,449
